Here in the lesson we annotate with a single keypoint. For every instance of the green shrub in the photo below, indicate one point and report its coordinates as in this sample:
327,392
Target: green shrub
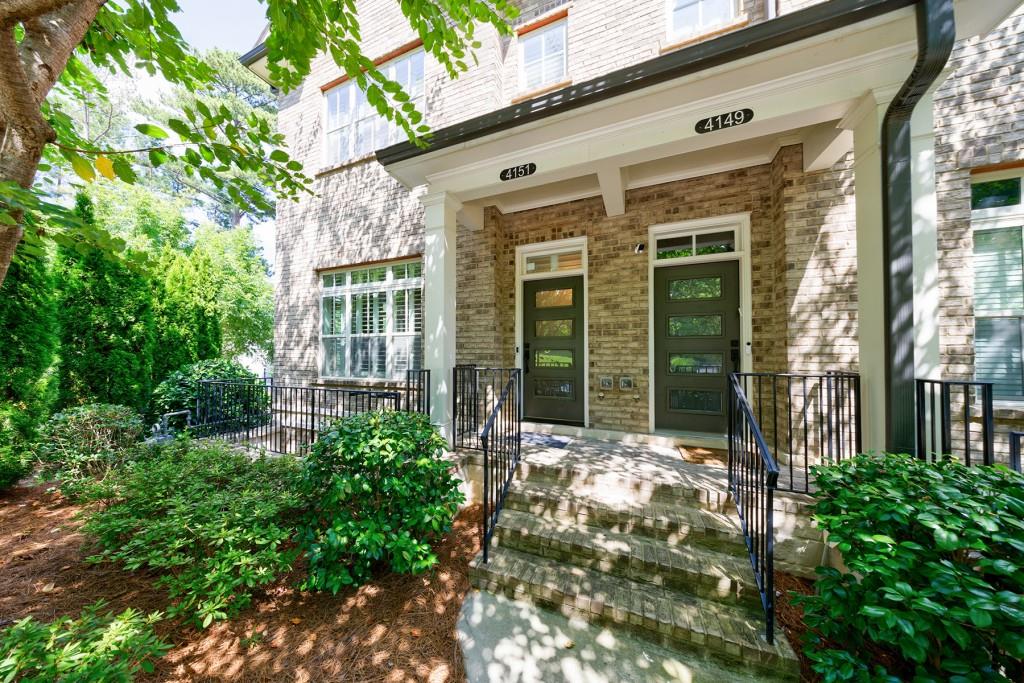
377,493
13,466
181,388
936,553
215,525
84,444
95,647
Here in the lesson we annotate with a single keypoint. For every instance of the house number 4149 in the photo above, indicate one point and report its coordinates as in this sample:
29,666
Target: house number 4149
733,118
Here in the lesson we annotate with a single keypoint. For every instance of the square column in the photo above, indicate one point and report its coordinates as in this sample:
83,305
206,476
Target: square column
927,358
866,122
439,304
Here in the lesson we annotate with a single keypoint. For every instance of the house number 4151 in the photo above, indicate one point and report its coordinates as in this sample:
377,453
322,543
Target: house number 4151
733,118
520,171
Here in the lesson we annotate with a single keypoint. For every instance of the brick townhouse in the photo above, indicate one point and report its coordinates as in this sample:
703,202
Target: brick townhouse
773,223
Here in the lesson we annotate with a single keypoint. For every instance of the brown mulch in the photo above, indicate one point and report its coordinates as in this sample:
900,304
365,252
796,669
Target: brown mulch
704,456
395,629
790,617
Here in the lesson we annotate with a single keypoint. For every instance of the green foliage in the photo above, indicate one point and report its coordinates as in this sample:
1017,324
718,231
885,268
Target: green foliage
13,466
107,326
377,493
181,388
215,525
937,575
84,444
95,648
28,343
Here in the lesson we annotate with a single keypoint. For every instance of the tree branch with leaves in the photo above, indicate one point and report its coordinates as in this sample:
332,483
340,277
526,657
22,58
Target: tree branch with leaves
51,50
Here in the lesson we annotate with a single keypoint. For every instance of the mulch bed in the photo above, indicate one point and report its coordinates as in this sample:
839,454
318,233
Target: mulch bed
790,617
397,628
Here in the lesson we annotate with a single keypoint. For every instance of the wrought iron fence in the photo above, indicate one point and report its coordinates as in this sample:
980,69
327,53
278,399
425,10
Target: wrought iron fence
287,419
955,417
500,440
753,478
1015,439
476,390
806,420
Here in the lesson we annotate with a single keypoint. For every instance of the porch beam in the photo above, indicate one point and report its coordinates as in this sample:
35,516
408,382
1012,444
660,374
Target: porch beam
440,216
825,145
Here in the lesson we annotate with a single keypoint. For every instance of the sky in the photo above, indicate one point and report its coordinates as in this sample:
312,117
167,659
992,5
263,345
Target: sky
227,24
230,25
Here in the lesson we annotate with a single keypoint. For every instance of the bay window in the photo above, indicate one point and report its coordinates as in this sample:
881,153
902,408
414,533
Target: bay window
353,127
372,322
997,219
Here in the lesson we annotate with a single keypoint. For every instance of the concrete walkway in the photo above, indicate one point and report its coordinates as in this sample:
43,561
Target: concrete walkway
506,641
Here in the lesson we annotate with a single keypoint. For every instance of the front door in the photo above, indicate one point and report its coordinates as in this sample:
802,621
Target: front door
696,344
553,350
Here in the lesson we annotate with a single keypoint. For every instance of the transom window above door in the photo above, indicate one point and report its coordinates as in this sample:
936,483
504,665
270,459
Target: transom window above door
705,243
690,18
353,127
543,56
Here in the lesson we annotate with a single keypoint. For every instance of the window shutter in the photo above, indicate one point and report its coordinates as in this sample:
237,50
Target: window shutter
997,355
998,272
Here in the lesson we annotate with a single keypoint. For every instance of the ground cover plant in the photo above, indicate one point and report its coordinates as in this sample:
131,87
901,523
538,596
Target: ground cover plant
377,493
99,646
936,589
215,525
83,445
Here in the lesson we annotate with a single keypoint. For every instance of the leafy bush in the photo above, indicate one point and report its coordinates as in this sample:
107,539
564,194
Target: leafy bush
936,553
181,388
93,647
214,524
83,444
377,492
13,466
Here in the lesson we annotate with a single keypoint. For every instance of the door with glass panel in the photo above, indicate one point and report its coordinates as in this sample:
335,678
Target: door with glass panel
553,350
696,344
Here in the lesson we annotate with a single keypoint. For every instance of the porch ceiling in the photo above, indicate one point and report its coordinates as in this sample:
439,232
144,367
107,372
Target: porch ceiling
798,92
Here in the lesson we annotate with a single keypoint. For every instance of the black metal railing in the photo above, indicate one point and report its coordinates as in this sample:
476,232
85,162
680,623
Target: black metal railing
287,419
1015,440
500,440
806,420
476,390
753,477
955,417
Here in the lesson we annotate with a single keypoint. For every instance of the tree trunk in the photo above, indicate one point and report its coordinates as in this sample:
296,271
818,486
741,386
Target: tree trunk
19,160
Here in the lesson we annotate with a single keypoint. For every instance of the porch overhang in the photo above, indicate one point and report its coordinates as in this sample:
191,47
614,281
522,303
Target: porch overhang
802,75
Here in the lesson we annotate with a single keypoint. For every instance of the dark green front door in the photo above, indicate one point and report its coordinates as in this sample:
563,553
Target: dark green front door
553,350
696,344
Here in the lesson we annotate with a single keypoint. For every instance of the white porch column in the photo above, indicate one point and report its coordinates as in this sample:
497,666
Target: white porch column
439,304
927,361
866,122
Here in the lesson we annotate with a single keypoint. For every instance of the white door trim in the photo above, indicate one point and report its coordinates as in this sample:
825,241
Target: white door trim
740,223
549,248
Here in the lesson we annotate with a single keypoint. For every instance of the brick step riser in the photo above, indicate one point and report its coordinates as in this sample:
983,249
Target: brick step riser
654,630
726,590
671,533
640,490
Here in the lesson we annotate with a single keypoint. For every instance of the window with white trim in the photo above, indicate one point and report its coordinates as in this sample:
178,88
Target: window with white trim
997,219
542,56
689,18
353,127
372,321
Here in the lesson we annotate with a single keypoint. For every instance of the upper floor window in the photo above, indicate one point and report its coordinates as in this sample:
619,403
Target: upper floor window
997,219
542,56
689,18
353,128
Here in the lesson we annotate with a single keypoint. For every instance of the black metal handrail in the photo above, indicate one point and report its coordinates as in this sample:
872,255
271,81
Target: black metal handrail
288,418
475,392
500,440
806,419
753,477
948,411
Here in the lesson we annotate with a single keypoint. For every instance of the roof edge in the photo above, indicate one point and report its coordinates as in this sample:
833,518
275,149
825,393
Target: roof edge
254,55
745,42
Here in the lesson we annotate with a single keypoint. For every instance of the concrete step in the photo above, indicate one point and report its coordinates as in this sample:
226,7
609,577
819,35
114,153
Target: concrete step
799,546
730,633
690,569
